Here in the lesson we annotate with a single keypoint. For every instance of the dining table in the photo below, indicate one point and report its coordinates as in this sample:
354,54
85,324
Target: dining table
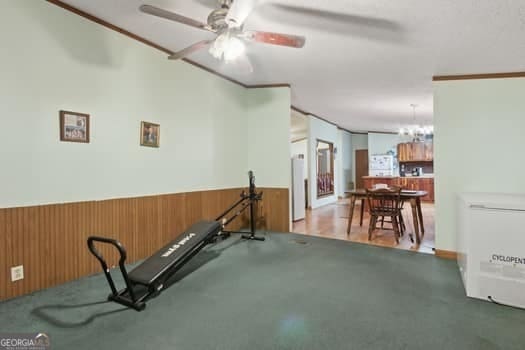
413,197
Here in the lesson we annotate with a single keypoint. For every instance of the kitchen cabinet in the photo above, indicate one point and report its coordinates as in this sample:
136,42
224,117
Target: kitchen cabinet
429,151
428,185
403,152
415,152
418,151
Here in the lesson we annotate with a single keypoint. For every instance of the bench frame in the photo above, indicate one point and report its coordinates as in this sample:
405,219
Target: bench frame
135,294
137,291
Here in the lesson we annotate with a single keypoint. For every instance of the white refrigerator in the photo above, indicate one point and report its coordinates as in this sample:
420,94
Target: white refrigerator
298,191
381,165
491,246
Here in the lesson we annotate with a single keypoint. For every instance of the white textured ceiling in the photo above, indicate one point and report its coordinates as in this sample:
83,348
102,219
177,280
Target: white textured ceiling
359,73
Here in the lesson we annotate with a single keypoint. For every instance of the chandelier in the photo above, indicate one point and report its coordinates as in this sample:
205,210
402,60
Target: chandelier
417,131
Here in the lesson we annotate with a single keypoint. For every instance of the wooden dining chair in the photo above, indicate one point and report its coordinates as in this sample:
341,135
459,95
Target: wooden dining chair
401,220
385,202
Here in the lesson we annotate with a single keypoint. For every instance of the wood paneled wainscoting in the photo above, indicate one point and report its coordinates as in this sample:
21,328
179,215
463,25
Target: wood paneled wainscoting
50,240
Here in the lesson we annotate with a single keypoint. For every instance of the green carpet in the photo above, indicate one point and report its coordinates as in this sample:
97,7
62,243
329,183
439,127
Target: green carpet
290,292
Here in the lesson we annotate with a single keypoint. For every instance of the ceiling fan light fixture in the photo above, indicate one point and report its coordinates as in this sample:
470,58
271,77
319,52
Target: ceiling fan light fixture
234,49
226,21
217,48
215,51
227,47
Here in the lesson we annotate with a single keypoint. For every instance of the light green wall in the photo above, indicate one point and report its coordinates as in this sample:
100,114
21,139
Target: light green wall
382,143
478,144
53,59
267,135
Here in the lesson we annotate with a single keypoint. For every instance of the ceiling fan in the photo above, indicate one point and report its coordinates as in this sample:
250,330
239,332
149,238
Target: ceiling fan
227,22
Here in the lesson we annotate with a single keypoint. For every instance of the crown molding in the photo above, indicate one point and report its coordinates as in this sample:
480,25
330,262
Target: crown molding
373,132
264,86
214,72
297,109
147,42
108,25
341,128
382,132
131,35
479,76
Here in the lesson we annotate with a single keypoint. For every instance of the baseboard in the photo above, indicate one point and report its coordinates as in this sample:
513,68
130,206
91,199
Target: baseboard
446,254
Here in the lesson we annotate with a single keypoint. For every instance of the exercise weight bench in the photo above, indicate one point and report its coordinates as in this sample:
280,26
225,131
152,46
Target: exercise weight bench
149,278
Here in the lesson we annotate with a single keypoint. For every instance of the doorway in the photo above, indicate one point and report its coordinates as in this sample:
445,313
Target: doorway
361,167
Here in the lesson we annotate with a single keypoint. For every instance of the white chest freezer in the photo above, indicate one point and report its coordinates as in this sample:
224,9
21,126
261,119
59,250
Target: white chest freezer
491,246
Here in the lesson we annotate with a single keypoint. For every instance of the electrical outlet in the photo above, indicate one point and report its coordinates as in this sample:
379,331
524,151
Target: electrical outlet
17,273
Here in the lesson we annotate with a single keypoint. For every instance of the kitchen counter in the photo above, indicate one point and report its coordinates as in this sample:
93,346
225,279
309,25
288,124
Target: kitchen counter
380,177
424,176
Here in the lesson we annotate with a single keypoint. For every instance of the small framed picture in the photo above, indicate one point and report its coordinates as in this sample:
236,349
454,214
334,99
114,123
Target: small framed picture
149,134
74,127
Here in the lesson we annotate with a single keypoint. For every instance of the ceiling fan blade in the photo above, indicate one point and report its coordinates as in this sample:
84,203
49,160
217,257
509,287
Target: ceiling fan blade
190,49
369,27
239,11
275,38
155,11
312,13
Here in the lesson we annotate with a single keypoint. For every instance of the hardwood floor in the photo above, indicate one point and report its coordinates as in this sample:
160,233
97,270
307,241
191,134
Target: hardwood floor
330,221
